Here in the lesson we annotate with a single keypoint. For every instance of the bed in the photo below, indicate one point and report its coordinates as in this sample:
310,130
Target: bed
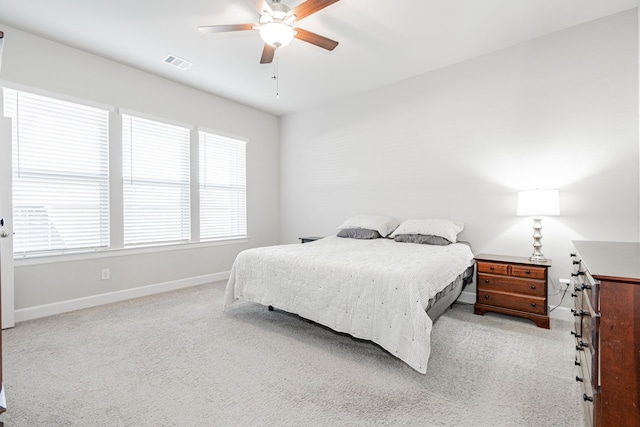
377,289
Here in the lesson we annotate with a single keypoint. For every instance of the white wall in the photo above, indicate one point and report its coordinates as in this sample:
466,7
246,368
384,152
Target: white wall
37,63
559,112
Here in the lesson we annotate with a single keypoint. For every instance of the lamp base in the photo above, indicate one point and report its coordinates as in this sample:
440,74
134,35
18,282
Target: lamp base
537,241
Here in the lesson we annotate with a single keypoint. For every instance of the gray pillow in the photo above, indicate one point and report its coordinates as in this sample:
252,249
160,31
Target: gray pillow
359,233
422,239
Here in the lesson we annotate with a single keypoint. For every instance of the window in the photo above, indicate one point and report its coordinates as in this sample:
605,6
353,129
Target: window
155,167
223,206
60,174
65,199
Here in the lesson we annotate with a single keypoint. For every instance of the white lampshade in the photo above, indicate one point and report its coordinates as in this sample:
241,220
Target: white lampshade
276,34
538,203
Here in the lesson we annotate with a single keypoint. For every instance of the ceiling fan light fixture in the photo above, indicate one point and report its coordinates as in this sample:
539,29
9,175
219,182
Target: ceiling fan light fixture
276,34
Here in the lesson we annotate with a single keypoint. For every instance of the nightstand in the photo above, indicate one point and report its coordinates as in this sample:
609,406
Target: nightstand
512,285
308,239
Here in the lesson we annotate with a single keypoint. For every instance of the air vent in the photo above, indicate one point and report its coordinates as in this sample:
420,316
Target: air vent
180,63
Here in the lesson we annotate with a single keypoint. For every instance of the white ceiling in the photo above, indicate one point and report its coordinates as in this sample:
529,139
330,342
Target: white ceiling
381,42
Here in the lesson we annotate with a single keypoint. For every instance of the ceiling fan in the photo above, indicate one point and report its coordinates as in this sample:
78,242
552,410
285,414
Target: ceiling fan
277,25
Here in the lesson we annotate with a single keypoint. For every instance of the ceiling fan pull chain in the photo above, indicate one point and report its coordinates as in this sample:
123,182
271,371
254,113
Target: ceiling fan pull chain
275,77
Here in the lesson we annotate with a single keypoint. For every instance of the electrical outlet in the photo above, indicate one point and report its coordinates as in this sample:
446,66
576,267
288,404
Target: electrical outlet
564,283
106,274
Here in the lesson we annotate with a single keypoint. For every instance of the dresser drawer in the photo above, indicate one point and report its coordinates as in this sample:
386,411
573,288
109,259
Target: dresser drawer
529,304
491,267
511,284
587,396
529,272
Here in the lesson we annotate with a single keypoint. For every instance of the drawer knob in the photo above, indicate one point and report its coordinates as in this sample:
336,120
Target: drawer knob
587,398
533,287
528,271
486,296
491,268
580,380
486,280
533,304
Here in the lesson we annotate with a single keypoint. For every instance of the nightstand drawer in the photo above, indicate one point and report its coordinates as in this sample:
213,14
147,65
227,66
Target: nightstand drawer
529,272
512,284
512,301
491,267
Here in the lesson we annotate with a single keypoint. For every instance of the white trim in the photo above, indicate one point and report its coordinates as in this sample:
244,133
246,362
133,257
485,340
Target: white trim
56,95
221,133
36,312
152,117
467,298
116,252
560,313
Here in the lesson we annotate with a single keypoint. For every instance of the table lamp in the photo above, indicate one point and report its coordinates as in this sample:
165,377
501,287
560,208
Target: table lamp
538,203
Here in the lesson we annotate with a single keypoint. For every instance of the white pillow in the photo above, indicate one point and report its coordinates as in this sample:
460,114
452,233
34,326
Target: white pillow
431,227
382,224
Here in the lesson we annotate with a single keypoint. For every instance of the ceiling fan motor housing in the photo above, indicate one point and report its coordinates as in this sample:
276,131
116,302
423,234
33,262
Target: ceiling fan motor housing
276,26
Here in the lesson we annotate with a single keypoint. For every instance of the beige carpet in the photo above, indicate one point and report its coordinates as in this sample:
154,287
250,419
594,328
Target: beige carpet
176,359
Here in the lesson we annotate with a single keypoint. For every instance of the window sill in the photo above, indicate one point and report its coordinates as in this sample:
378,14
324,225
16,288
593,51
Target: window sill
108,253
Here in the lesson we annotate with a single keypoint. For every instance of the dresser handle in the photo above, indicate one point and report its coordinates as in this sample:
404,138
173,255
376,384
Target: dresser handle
486,296
528,271
486,280
533,287
578,379
491,268
575,334
587,398
533,304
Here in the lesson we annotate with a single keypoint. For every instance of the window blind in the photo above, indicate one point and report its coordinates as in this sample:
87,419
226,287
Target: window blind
223,206
155,182
60,174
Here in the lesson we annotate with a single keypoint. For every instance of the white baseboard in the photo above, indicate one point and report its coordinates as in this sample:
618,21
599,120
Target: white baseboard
86,302
559,313
467,297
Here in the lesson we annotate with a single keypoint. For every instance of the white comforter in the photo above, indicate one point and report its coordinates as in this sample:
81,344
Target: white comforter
371,289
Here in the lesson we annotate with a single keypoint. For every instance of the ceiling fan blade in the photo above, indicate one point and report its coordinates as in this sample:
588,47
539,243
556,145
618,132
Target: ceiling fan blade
311,6
207,29
315,39
267,54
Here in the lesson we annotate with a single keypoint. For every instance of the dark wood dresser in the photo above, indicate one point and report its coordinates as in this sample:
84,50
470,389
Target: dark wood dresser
606,293
512,285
